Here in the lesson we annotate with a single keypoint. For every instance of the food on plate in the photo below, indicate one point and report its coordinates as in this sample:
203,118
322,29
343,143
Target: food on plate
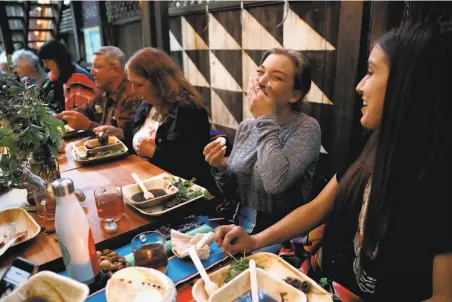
68,128
263,297
237,266
110,262
91,155
185,192
139,197
135,285
103,139
304,286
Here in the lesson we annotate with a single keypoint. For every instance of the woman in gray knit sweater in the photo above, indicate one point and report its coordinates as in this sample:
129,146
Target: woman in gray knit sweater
273,160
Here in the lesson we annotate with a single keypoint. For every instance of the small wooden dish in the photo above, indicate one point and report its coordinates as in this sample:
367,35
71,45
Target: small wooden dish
23,222
150,184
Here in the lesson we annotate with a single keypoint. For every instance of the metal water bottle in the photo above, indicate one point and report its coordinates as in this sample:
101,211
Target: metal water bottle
74,234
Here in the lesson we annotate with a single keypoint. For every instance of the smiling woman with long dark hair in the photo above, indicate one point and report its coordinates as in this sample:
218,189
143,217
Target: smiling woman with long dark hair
389,232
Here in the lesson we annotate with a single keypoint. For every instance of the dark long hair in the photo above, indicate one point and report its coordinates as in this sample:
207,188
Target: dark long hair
302,75
408,157
165,77
57,51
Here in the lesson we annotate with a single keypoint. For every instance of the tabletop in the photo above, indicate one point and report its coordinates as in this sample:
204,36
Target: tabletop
44,249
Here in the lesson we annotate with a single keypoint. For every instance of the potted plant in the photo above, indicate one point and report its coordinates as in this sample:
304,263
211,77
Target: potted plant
29,136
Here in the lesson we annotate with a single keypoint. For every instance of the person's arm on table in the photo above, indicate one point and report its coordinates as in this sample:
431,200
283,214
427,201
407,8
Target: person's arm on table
442,278
297,223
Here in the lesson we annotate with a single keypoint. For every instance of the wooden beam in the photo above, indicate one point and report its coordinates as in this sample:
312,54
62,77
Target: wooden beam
146,23
46,5
216,7
20,18
57,22
347,55
76,20
4,29
160,29
14,3
26,21
155,24
42,29
43,18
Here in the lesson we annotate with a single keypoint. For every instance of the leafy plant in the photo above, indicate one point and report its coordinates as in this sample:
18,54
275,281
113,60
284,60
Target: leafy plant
27,127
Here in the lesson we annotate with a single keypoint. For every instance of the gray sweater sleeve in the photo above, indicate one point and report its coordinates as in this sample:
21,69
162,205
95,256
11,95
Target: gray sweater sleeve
280,165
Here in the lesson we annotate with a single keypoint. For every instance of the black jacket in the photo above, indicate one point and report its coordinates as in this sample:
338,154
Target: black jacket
180,142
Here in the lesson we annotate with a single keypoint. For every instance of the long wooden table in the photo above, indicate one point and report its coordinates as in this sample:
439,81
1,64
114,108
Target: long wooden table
44,249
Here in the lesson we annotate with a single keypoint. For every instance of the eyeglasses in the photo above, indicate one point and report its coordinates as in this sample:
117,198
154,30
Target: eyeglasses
97,68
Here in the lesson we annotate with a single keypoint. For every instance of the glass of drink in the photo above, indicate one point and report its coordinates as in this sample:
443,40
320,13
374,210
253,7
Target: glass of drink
45,202
109,202
149,250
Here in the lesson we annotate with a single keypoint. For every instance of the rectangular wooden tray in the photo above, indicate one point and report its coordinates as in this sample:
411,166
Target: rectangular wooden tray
273,265
23,221
120,146
159,210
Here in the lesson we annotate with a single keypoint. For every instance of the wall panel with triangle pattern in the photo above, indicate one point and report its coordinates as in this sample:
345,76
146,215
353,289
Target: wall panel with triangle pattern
219,51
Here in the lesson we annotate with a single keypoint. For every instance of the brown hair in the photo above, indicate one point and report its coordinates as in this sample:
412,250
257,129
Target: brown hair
302,75
165,77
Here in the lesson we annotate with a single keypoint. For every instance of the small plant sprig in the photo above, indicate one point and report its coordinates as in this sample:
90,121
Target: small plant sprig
27,127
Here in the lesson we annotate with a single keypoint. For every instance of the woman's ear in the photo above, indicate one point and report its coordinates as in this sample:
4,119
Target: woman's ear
296,96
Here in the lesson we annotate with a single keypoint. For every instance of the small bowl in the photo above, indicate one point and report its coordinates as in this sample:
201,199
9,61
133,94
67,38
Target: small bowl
94,143
150,184
241,285
133,282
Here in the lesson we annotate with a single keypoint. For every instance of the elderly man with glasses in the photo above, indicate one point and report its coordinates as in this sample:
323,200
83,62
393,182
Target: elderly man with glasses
28,68
111,111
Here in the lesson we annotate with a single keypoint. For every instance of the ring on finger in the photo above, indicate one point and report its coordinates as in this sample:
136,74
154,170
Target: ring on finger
257,88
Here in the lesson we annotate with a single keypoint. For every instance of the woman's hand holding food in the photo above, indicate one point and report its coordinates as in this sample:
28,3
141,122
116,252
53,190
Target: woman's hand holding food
214,154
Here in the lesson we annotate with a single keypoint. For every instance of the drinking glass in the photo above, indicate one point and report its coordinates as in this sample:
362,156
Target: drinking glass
45,202
109,202
149,250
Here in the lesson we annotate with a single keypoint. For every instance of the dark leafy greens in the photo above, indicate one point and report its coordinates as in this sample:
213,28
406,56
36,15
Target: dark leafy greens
185,192
238,266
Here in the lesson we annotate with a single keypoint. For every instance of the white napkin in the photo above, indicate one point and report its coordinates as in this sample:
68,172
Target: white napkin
181,242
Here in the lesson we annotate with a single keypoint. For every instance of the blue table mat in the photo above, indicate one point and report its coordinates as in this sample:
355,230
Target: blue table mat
178,269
